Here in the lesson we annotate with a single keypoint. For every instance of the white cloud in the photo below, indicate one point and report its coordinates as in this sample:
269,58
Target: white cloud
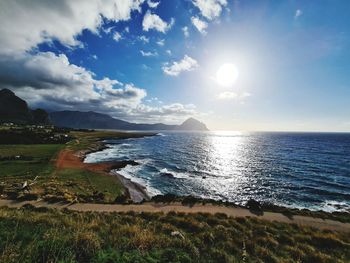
186,64
229,95
210,8
144,39
168,51
94,57
108,29
200,25
50,80
161,42
175,112
117,36
298,13
148,54
26,24
186,32
153,21
152,4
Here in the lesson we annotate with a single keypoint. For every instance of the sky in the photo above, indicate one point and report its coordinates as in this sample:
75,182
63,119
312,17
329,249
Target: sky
234,64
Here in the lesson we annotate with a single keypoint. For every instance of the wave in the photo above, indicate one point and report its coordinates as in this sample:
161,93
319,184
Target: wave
131,171
285,169
335,206
167,173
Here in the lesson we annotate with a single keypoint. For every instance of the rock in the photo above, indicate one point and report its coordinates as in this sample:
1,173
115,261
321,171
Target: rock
177,234
169,175
254,206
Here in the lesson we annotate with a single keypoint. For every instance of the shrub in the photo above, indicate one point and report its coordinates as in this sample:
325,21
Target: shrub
86,244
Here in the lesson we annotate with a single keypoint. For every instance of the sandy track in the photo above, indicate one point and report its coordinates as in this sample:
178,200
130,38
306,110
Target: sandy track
177,207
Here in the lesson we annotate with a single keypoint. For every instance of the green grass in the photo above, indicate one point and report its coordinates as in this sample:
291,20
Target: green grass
84,186
58,185
37,150
85,140
38,164
41,235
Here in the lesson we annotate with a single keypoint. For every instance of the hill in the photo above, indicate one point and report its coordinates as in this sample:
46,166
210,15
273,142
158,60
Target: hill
14,109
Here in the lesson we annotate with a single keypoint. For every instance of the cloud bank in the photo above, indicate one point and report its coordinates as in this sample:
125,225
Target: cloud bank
25,24
50,80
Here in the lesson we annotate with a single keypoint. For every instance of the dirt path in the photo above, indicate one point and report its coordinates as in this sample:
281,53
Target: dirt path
177,207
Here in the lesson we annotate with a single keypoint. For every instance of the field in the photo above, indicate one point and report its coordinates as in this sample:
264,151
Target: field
27,161
41,235
35,165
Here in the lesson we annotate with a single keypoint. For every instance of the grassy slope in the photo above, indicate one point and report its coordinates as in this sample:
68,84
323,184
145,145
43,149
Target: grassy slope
32,235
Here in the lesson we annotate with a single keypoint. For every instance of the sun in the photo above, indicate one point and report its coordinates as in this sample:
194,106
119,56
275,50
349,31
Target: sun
227,74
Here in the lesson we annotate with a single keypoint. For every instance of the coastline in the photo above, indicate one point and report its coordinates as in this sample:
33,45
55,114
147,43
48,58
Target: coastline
136,191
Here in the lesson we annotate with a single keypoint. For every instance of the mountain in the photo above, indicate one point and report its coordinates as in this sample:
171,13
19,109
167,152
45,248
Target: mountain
94,120
14,109
192,124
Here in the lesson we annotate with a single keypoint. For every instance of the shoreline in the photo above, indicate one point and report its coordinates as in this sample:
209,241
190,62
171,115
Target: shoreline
136,191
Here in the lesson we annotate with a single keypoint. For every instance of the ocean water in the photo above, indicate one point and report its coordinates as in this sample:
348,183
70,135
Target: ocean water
302,170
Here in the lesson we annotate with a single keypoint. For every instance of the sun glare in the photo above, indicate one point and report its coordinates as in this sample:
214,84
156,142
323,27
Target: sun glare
227,75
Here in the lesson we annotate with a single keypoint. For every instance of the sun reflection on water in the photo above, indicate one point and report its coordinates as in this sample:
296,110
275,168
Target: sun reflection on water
226,156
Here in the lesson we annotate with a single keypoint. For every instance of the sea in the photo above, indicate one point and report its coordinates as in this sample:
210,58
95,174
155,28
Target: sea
299,170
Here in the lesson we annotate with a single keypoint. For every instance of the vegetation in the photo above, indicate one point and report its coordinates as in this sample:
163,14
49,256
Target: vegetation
91,140
28,171
33,134
79,185
265,207
41,235
20,163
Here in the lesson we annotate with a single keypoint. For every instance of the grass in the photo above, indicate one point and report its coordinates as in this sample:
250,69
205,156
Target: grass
266,207
20,163
34,160
40,235
87,140
83,186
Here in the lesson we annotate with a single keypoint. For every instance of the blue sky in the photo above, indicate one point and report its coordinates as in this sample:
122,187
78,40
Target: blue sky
148,62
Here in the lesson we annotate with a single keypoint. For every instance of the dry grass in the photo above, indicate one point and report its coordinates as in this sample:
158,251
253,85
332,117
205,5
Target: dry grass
42,235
